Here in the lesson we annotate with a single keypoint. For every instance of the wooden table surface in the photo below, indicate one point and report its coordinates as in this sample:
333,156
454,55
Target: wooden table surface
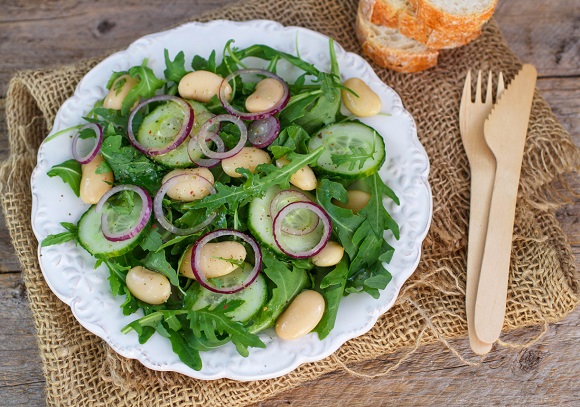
40,33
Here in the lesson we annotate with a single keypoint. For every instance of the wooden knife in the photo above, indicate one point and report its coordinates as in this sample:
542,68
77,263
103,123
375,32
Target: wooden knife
505,133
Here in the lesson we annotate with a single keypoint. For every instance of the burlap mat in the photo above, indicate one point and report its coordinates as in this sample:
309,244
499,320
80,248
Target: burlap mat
81,369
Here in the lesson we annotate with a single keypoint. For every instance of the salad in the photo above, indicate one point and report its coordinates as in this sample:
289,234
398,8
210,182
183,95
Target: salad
225,200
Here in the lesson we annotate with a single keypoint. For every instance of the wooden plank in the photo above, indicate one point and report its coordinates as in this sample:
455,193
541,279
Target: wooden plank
21,379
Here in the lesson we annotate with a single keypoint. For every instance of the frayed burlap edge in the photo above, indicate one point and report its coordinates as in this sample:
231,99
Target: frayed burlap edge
82,370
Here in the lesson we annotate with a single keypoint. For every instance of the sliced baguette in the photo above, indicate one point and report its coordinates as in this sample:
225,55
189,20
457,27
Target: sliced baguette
388,48
400,14
454,16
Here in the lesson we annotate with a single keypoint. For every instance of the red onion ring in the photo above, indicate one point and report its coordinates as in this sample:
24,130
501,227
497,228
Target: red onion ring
94,150
263,132
200,276
195,153
223,95
158,207
141,221
181,135
277,228
287,196
205,133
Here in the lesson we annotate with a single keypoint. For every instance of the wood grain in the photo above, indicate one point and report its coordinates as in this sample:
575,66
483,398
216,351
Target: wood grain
37,33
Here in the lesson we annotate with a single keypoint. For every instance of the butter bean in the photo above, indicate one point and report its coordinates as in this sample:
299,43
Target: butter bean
93,185
304,178
366,104
268,93
115,97
191,188
214,259
148,286
202,86
302,316
357,200
329,256
248,158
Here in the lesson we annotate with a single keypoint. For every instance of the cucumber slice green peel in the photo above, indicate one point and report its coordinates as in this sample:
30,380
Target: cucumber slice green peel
353,150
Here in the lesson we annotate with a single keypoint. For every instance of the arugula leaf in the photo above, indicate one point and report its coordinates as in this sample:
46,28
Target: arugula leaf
175,70
58,238
70,172
130,166
117,274
289,283
291,138
256,185
376,210
357,155
362,234
344,222
216,320
187,353
199,63
269,53
157,261
114,77
145,88
152,241
332,289
323,110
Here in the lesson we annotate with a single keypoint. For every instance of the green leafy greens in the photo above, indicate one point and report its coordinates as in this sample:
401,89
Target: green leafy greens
314,103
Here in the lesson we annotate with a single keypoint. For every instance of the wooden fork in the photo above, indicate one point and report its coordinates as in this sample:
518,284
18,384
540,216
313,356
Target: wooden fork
482,162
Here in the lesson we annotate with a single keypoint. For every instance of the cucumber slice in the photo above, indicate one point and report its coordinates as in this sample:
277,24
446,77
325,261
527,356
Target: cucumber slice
160,126
346,139
260,225
254,296
91,236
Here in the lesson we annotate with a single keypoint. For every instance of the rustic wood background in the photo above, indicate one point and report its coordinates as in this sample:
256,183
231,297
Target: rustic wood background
40,33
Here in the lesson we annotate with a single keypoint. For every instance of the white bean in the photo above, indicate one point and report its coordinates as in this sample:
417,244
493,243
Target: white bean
329,256
267,94
202,86
191,188
148,286
248,158
93,185
115,97
216,259
301,316
365,103
304,178
357,200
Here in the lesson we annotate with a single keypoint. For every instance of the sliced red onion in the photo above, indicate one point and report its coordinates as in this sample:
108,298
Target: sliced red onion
196,260
195,153
205,132
283,198
142,220
223,95
279,234
263,132
181,135
90,156
158,206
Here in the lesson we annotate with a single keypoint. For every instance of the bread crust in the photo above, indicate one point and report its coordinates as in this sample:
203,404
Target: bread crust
384,12
397,59
440,20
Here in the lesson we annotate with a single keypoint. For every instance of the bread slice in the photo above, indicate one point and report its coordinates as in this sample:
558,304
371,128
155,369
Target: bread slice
454,16
388,48
400,14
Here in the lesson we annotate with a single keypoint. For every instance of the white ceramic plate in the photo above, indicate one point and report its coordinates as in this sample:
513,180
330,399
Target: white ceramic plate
69,270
